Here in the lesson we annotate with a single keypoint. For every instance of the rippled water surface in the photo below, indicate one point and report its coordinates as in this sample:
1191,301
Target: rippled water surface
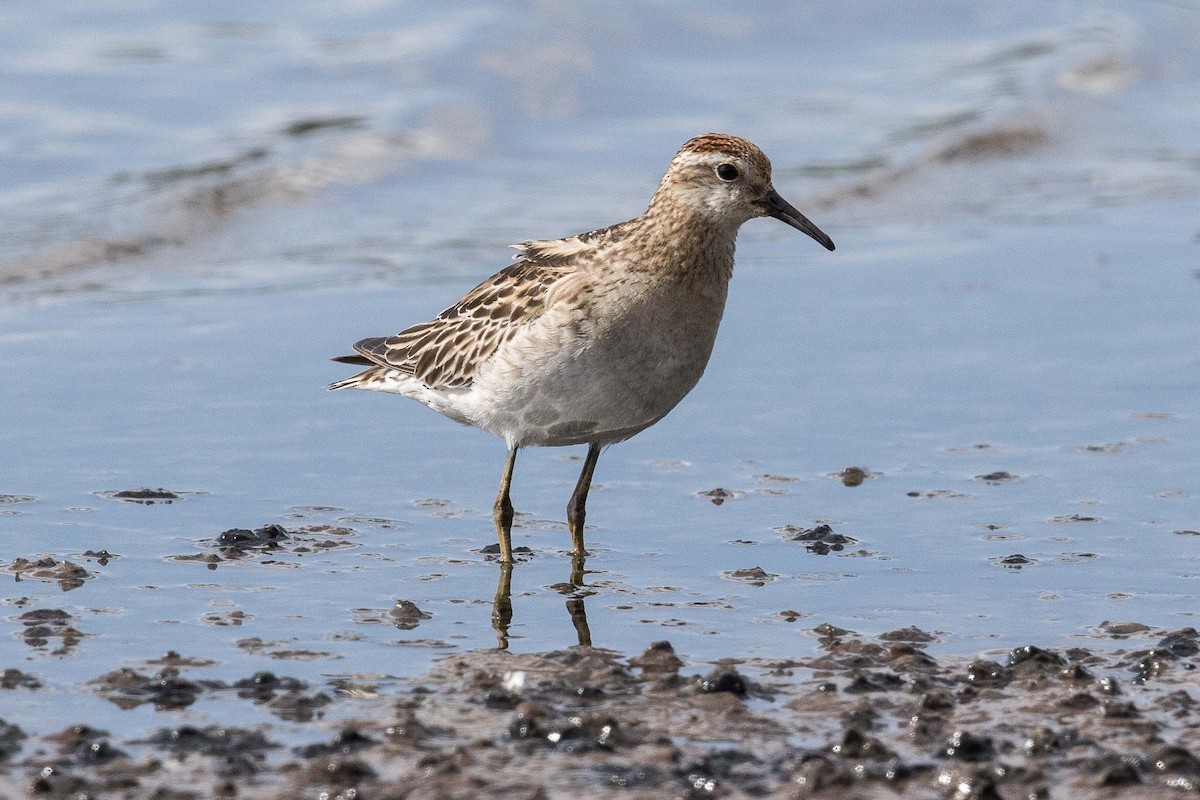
200,208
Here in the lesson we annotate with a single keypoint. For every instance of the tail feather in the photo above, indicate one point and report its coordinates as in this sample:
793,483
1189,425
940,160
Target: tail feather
345,383
355,380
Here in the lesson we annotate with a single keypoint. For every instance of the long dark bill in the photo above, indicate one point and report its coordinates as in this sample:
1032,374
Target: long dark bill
781,209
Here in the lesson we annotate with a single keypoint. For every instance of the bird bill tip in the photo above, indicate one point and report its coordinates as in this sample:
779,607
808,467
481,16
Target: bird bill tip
780,209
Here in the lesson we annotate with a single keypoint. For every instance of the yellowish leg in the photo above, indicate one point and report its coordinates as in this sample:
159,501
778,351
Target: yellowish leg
577,562
577,508
502,511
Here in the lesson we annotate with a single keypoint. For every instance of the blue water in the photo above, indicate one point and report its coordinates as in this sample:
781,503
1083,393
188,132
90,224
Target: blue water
1032,312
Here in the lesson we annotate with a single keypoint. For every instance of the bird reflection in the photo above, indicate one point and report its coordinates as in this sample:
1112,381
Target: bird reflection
575,606
574,589
502,605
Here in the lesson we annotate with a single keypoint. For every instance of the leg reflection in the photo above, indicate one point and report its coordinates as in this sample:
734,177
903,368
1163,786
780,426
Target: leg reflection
576,592
502,610
575,604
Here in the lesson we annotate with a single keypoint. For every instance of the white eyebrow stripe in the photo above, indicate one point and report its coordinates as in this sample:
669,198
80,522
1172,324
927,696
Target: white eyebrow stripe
703,159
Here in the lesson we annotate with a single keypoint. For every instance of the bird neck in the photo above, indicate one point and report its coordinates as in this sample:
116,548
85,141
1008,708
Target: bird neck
691,243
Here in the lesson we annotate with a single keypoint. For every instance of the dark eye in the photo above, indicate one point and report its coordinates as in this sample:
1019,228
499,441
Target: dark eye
728,172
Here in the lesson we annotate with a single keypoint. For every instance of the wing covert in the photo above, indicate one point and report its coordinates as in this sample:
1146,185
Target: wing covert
445,352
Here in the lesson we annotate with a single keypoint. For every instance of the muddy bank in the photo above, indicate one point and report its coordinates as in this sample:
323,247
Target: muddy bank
862,718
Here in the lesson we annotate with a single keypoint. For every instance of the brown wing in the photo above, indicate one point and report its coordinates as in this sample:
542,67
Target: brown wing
444,353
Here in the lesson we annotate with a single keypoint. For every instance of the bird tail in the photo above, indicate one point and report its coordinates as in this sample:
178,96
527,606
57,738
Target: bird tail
345,383
353,381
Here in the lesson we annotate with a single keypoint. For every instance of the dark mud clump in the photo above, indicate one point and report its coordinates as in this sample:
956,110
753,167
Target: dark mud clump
237,544
492,552
820,540
232,752
101,557
861,717
287,698
1072,519
51,630
910,634
143,497
755,576
853,476
940,494
11,738
405,615
127,688
13,678
1014,561
718,496
169,689
66,574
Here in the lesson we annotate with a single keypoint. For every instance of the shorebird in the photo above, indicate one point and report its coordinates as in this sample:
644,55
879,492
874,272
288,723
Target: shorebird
595,337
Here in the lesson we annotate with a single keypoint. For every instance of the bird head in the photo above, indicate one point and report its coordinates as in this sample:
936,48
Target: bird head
727,180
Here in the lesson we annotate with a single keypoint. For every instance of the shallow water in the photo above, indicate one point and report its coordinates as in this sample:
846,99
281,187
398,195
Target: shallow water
1014,290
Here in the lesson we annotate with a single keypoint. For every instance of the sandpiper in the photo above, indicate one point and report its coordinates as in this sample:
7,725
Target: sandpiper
595,337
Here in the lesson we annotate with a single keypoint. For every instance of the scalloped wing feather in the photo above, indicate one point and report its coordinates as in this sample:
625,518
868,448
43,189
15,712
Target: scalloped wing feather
551,249
561,251
446,352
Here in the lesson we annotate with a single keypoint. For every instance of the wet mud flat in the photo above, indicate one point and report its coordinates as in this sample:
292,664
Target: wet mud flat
862,717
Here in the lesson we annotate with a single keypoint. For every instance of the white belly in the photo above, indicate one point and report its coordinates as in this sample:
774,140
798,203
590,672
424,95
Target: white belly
567,382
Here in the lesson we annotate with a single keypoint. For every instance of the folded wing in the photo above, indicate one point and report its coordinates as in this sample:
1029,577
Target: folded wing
446,352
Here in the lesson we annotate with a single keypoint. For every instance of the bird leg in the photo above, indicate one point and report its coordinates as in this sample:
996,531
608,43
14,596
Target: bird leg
502,511
576,509
577,564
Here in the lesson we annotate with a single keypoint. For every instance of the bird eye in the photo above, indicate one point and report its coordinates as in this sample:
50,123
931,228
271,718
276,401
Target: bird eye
728,172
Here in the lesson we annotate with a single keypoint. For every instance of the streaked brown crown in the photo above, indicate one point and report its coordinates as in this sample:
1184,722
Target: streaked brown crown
707,143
